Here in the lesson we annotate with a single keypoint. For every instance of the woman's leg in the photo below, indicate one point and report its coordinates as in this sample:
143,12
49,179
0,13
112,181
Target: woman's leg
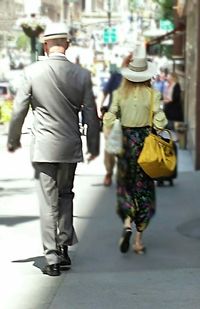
109,162
124,205
138,246
126,235
135,190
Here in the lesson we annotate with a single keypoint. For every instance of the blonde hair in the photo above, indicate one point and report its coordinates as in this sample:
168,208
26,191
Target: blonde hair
174,75
127,86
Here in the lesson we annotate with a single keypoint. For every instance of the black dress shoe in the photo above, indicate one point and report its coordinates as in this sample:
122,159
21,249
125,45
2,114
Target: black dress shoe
65,259
52,270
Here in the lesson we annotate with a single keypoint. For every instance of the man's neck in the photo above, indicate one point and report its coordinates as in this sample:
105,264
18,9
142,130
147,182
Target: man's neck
57,49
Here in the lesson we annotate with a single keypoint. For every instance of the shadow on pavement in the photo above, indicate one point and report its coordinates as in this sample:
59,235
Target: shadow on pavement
14,220
15,191
83,217
15,180
190,229
38,261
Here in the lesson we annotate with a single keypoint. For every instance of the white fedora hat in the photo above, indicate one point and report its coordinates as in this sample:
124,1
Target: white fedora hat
139,69
55,31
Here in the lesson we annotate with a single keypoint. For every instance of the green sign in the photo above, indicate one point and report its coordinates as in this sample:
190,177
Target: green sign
110,35
166,24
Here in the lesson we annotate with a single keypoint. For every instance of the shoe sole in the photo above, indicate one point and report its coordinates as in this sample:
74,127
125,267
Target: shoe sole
52,274
125,241
66,266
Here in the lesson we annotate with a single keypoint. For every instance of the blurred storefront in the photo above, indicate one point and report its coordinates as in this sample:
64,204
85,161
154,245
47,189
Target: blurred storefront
192,78
8,15
186,56
51,9
95,11
186,62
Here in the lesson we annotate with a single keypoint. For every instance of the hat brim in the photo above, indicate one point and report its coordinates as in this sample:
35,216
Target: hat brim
53,37
143,76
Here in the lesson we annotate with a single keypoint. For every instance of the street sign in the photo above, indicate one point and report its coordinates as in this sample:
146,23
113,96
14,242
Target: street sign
166,24
110,35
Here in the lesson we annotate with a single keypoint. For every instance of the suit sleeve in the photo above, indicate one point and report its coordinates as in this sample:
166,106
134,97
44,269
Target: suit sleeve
91,117
20,110
156,101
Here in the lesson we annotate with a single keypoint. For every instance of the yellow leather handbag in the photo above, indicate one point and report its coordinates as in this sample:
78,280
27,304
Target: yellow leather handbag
157,158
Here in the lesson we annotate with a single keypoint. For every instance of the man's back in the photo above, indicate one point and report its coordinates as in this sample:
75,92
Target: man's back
58,88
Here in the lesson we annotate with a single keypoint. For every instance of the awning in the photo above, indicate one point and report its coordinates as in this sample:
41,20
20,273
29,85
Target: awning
167,36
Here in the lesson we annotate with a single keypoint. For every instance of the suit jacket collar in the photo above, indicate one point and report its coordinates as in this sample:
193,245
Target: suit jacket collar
56,54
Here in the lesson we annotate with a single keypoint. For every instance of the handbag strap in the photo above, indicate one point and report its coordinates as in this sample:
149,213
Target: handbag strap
118,113
151,109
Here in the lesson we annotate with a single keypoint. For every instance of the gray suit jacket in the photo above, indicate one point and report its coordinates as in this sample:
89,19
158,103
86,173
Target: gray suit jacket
56,89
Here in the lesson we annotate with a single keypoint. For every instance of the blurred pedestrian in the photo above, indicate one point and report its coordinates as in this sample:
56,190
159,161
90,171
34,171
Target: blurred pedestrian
56,89
135,189
112,84
158,84
172,100
4,66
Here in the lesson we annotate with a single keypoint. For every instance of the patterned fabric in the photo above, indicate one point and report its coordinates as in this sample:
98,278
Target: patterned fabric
135,189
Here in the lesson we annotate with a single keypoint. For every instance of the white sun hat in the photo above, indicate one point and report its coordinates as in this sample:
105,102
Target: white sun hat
55,31
139,69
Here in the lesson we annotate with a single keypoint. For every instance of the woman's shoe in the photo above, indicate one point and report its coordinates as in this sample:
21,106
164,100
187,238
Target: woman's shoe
125,239
107,180
160,183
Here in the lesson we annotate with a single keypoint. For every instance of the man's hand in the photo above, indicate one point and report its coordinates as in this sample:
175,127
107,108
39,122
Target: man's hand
90,158
103,110
11,148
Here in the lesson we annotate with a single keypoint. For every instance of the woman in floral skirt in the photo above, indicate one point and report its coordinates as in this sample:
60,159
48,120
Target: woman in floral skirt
135,189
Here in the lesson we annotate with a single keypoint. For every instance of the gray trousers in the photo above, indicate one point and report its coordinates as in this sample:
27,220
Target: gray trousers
54,183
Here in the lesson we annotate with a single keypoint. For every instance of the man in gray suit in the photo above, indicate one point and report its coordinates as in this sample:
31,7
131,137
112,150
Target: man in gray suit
56,89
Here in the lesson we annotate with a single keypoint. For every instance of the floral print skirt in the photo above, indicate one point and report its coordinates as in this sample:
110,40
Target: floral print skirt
135,189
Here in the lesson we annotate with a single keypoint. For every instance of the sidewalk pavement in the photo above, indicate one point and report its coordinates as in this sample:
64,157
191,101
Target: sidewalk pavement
168,276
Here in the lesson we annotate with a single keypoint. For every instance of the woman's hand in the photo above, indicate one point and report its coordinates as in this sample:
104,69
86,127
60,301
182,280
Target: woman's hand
127,60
